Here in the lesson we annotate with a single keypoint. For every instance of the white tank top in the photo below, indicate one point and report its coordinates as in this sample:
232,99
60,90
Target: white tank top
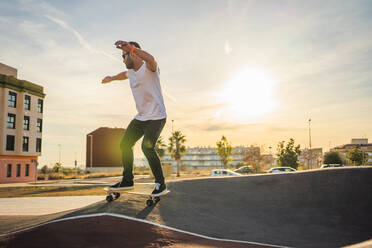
146,90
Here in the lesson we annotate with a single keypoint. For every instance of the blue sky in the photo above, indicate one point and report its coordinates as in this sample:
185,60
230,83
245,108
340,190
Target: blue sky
255,71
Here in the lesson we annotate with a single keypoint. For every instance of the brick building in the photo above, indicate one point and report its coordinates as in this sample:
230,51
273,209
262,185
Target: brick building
103,150
21,125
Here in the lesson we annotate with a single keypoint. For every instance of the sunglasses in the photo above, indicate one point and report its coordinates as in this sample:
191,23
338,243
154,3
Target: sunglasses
125,54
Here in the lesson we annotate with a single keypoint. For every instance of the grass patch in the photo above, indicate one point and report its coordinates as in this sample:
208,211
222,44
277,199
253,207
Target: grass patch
42,191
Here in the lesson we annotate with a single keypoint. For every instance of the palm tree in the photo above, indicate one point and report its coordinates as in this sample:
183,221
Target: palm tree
177,148
225,151
160,147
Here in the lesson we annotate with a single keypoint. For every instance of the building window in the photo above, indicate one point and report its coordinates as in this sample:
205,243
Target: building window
11,121
9,170
25,144
27,171
40,106
10,142
18,170
12,99
39,125
26,123
27,102
38,145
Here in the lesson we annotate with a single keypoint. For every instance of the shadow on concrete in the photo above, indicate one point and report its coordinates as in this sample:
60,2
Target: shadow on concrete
320,208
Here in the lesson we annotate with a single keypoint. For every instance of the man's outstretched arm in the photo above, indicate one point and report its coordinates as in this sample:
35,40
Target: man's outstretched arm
120,76
150,60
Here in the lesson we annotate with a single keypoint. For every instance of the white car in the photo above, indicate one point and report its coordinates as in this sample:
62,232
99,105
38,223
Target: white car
224,172
281,170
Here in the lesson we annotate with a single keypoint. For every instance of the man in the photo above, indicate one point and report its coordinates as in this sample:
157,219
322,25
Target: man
143,75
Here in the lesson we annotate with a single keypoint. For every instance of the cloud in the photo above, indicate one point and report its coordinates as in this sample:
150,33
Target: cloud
228,49
80,38
39,6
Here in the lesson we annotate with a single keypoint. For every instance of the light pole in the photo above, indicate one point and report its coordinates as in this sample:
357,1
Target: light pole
59,148
75,162
271,162
172,126
310,159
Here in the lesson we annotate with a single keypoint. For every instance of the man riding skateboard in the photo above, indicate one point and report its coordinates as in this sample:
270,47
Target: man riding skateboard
143,74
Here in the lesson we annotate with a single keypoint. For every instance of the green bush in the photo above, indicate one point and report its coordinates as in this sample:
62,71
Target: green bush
41,176
56,176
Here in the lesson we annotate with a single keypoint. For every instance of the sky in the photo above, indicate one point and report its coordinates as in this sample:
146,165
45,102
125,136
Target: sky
254,71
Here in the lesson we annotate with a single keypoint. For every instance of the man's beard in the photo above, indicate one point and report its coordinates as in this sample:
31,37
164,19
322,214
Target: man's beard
129,64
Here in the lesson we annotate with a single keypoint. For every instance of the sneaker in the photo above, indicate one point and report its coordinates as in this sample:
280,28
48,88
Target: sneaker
121,185
159,189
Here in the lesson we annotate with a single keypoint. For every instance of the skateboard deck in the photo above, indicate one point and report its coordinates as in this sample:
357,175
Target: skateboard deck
139,189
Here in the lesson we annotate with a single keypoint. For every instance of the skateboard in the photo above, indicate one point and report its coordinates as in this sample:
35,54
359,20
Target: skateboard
140,189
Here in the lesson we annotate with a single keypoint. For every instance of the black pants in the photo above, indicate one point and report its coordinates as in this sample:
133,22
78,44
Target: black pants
151,130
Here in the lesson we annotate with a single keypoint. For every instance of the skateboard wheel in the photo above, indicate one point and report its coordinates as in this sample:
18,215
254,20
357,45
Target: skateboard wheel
117,195
156,199
149,203
109,198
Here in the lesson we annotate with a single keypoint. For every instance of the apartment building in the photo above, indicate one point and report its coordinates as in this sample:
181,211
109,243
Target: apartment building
206,157
312,158
360,143
21,127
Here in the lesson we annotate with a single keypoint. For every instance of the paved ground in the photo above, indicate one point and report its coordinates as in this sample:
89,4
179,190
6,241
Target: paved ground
44,205
110,231
321,208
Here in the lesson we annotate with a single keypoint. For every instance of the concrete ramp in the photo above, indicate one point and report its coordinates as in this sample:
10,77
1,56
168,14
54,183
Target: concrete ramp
321,208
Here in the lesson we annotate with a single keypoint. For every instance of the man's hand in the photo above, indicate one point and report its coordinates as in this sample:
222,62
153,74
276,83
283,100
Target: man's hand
106,80
123,45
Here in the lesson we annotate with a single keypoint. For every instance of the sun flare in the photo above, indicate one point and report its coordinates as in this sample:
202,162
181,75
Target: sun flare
249,94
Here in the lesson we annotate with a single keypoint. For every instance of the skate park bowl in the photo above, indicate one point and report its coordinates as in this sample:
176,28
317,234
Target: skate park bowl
317,208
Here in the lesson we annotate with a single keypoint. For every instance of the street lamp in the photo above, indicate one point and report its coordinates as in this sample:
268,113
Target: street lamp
310,159
59,148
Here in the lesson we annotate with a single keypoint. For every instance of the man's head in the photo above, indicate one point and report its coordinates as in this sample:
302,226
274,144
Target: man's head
131,60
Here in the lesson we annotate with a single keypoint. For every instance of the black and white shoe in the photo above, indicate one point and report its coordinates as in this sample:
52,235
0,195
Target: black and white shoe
122,185
160,188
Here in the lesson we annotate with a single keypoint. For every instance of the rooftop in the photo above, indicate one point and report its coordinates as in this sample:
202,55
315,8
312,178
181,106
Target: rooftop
21,85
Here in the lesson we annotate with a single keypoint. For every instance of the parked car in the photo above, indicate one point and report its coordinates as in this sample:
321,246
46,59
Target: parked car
244,169
331,165
224,172
281,170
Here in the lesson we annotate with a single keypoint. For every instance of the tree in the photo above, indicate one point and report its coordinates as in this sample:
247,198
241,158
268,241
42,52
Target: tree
253,158
288,156
176,148
224,149
44,169
357,156
160,147
332,158
57,168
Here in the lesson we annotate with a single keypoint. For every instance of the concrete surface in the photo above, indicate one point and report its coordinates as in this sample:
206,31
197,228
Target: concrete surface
44,205
320,208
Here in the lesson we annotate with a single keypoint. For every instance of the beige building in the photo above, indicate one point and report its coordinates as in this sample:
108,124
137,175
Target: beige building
360,143
313,158
207,157
21,125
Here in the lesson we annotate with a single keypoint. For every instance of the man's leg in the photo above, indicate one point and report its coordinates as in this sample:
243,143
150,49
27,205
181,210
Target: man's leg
132,134
152,132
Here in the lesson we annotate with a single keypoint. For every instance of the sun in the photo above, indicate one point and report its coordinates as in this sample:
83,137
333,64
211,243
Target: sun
249,94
